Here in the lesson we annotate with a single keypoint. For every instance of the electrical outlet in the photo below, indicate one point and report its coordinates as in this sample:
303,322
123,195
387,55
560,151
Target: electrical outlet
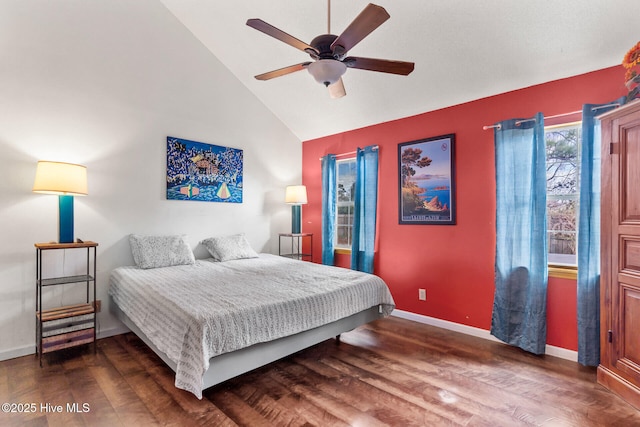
422,294
98,306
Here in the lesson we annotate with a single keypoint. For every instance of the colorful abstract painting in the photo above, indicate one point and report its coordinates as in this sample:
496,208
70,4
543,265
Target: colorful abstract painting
205,172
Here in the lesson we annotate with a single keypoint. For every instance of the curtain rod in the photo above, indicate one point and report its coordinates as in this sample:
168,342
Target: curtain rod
375,147
519,122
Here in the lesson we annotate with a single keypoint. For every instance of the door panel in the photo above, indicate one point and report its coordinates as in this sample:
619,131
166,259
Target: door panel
630,179
631,342
630,182
630,254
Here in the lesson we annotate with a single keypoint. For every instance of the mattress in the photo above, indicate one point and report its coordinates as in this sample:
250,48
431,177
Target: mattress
195,312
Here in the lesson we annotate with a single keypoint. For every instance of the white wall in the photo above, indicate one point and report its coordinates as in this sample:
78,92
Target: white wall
103,83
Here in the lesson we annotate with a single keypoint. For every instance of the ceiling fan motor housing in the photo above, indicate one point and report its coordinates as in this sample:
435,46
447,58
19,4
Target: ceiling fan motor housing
322,45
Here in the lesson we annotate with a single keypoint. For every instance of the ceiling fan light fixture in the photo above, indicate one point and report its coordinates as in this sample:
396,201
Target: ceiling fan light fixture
327,71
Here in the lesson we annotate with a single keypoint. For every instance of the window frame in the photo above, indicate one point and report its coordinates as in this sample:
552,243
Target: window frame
342,249
558,269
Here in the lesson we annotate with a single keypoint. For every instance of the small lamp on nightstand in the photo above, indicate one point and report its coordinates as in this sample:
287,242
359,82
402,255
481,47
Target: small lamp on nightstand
66,180
296,195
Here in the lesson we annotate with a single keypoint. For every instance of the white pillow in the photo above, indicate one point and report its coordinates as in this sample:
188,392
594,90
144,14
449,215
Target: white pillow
160,251
226,248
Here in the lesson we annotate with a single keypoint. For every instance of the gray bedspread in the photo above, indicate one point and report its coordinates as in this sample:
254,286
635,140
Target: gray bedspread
195,312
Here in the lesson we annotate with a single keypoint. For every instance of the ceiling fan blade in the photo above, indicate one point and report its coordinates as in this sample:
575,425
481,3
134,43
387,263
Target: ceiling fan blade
274,32
369,19
336,90
381,65
282,71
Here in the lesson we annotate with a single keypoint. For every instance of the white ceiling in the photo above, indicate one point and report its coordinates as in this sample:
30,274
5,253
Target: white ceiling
463,50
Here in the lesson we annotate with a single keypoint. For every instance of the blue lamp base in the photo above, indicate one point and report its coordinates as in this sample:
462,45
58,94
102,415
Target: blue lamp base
296,213
65,226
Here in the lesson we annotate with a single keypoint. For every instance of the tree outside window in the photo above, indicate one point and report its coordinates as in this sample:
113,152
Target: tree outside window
563,190
345,181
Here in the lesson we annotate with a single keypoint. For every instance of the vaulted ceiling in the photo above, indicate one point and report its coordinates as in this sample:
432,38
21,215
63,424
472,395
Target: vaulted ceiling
463,50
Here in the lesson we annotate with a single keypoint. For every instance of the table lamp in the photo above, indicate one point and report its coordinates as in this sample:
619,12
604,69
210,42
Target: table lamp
66,180
296,195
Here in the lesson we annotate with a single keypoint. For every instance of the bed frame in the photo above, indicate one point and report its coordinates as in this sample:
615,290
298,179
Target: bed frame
229,365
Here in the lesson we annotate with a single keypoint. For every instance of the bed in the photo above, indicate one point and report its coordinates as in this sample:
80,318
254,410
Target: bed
212,320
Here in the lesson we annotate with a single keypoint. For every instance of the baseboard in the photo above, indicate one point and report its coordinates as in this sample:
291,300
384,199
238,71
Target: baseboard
17,352
31,348
562,353
550,350
118,330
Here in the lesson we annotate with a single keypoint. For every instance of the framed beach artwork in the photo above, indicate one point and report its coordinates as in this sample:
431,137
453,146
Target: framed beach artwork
205,172
426,181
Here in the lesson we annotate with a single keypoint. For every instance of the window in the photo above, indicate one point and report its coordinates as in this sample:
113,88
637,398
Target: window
345,181
563,192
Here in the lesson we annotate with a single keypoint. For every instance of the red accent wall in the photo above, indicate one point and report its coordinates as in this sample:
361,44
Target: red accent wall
455,263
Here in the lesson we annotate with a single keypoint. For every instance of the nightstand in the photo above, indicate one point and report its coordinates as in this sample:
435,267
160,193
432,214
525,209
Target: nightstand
65,326
294,248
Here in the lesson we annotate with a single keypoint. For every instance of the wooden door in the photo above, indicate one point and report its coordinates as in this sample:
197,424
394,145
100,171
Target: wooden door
620,273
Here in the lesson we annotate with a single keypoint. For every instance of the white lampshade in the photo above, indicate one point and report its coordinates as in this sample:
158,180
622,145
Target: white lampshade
327,71
60,178
296,195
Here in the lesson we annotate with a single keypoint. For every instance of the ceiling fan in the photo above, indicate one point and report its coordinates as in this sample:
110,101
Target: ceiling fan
329,52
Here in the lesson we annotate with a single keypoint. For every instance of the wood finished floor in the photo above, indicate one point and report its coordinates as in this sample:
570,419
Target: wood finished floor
390,372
